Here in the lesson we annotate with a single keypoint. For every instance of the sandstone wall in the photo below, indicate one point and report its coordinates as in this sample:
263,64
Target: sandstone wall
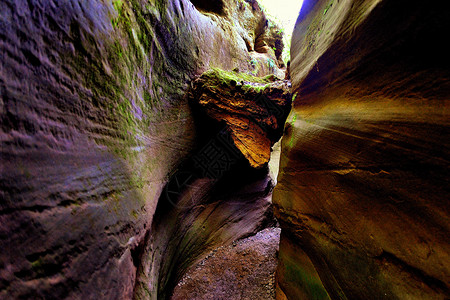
93,120
362,195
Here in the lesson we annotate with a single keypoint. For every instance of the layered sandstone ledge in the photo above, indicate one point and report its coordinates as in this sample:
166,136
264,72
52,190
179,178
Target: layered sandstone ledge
253,109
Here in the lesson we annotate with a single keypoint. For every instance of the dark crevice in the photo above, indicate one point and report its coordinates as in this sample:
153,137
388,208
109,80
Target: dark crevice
210,6
137,254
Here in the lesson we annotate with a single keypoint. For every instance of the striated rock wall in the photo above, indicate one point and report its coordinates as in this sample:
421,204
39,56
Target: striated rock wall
93,119
362,195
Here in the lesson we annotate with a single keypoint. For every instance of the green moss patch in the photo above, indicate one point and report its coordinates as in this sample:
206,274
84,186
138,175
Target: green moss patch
220,79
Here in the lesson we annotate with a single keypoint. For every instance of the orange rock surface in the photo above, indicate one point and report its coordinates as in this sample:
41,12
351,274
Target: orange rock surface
253,109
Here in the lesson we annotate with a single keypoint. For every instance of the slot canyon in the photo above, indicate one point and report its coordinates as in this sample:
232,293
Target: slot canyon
168,149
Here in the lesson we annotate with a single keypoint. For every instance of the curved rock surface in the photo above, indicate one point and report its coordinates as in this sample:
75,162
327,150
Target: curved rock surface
362,195
253,109
93,121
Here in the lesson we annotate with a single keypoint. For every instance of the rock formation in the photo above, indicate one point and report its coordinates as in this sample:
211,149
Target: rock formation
94,121
253,109
362,195
130,149
219,193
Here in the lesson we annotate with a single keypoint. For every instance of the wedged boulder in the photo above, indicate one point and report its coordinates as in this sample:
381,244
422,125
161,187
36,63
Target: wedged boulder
363,184
253,109
93,121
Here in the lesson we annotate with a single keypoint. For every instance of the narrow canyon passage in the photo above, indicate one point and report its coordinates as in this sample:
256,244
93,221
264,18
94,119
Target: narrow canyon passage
194,149
223,191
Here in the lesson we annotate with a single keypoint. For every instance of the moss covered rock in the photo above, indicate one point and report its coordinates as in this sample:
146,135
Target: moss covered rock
93,119
254,109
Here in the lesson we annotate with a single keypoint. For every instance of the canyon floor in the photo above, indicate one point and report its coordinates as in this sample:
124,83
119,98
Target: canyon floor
243,270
